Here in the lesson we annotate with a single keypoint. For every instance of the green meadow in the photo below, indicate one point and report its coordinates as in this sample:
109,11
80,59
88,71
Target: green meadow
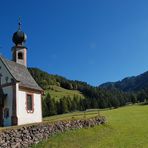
127,127
58,92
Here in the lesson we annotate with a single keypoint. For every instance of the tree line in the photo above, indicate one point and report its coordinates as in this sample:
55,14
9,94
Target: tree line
95,97
99,98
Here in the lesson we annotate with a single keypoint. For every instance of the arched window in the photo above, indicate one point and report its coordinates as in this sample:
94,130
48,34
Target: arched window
20,55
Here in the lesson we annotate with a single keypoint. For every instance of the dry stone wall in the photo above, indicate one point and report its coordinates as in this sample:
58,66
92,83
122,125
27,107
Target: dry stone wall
23,137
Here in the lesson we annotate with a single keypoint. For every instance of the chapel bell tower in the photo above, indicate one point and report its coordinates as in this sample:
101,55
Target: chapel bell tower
19,51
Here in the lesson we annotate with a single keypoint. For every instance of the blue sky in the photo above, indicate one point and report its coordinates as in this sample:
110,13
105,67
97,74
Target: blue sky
90,40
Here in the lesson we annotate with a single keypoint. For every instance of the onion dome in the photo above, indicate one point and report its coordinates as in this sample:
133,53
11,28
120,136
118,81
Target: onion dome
19,37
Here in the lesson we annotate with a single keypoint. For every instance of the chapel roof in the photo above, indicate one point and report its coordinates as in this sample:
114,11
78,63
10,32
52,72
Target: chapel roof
21,74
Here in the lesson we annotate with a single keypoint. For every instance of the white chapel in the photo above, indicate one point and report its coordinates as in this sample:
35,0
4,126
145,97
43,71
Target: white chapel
20,95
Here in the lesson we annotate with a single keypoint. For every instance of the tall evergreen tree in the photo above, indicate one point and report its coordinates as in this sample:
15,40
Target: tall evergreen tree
51,105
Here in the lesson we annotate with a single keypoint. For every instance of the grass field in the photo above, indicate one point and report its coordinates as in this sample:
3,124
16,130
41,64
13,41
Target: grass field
58,92
127,127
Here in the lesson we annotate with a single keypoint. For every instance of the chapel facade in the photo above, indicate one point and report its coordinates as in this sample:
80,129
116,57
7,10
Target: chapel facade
20,95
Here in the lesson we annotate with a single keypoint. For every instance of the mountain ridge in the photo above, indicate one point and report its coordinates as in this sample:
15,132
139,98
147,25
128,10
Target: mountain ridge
127,84
133,83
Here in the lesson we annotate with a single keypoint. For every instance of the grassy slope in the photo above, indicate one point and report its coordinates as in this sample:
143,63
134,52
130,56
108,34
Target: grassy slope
59,92
71,116
127,128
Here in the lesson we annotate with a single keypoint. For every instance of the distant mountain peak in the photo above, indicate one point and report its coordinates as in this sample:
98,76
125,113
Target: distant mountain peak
132,83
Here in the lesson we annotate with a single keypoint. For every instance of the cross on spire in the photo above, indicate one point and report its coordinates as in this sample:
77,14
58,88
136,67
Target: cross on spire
19,24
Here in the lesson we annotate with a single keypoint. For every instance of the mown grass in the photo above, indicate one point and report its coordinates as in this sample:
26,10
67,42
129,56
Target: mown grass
73,115
58,92
127,127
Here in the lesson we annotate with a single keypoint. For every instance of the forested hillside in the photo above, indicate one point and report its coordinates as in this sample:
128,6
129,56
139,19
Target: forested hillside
135,83
63,95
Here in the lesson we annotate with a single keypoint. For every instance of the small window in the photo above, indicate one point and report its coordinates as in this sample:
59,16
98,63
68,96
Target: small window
20,55
29,103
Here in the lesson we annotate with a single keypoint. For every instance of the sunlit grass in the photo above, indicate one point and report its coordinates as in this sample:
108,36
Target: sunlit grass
127,127
57,92
74,115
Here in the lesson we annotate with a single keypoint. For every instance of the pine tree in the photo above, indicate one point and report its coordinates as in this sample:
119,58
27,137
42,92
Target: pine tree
44,108
51,105
63,106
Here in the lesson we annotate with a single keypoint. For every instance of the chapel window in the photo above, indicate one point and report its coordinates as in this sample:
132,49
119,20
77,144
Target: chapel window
20,55
29,103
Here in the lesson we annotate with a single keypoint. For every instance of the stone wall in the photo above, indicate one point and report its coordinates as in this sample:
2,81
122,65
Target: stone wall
25,136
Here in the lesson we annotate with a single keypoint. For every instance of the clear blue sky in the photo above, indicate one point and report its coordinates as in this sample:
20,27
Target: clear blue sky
90,40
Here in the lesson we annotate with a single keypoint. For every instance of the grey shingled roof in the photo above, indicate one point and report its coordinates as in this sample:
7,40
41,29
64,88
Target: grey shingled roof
21,74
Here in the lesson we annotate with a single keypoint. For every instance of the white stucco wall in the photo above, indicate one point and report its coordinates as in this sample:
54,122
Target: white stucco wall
24,60
23,116
8,104
7,90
